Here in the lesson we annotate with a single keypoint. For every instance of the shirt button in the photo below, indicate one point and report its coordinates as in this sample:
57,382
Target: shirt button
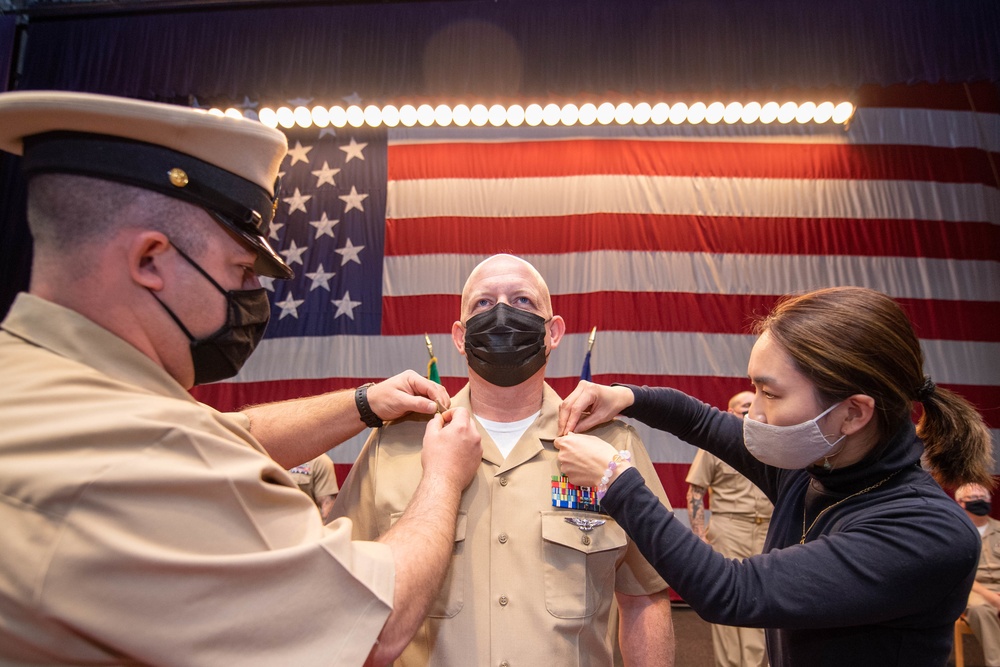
503,481
504,664
586,540
502,538
503,600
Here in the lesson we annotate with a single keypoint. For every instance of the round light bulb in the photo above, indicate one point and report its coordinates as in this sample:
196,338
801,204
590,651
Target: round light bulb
805,112
751,112
588,114
303,117
408,115
786,114
390,115
480,115
678,113
732,113
515,115
641,113
373,115
659,113
533,115
425,115
320,116
286,118
268,117
569,114
461,115
497,115
443,115
843,112
551,114
769,112
605,113
824,112
355,116
696,113
714,112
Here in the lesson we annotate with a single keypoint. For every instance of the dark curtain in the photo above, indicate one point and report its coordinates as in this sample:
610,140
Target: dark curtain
490,50
497,47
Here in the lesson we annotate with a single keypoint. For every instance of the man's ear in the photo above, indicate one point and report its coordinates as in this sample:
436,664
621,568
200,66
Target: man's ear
860,412
458,336
557,329
145,259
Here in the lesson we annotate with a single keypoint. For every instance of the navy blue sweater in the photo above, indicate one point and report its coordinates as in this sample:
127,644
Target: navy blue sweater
880,579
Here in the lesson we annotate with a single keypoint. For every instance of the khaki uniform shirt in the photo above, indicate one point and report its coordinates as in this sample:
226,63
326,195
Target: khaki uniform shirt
142,527
732,493
316,478
525,588
988,573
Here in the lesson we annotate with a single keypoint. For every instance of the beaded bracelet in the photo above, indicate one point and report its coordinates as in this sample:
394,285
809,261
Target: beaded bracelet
620,457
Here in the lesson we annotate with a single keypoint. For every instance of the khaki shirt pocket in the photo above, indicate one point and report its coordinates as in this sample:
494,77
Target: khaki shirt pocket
451,598
579,565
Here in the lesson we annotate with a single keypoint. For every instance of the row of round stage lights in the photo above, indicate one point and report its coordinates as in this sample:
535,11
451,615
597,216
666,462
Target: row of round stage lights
515,115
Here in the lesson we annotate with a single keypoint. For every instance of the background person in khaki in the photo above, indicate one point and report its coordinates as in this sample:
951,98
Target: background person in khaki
531,582
741,514
983,613
317,479
140,526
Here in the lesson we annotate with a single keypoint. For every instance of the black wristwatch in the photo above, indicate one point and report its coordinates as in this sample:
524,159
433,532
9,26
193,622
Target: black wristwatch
370,419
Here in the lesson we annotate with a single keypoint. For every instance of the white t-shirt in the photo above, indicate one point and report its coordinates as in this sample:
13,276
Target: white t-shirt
506,434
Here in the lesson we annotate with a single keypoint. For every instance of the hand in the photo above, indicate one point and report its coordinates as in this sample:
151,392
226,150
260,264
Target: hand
592,404
584,458
452,447
404,393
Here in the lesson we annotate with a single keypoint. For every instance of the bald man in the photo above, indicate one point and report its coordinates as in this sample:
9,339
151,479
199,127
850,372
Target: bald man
740,517
536,567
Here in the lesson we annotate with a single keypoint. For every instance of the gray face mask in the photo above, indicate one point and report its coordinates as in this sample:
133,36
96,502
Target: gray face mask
221,354
789,447
505,345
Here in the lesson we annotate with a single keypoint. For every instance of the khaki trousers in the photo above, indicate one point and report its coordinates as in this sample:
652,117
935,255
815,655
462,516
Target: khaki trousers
737,537
985,624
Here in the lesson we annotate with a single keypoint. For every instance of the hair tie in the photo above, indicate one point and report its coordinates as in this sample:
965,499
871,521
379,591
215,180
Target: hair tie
926,389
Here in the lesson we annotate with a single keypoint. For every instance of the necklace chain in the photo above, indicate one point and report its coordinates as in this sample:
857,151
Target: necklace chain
805,531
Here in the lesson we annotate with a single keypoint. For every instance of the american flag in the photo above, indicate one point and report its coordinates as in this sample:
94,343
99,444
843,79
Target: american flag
666,238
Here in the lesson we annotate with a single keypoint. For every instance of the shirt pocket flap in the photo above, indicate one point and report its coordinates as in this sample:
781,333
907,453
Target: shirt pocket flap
586,531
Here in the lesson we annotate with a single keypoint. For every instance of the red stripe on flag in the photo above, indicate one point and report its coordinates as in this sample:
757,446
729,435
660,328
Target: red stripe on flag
701,234
685,312
533,159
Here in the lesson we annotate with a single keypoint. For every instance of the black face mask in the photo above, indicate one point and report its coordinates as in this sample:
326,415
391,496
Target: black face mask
221,355
978,507
505,345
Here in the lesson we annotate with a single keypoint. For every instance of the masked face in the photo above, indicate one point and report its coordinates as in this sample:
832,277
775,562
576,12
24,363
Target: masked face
221,354
505,345
790,447
978,507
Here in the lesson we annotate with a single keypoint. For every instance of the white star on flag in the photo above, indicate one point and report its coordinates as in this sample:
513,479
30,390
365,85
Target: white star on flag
324,226
352,200
353,150
298,154
267,282
325,175
345,306
349,253
297,202
293,255
289,306
275,226
320,278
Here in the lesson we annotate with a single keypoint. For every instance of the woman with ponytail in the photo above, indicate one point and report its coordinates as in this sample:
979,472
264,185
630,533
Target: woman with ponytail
867,560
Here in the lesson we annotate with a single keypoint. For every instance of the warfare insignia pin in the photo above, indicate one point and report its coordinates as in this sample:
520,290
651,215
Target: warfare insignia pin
586,525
